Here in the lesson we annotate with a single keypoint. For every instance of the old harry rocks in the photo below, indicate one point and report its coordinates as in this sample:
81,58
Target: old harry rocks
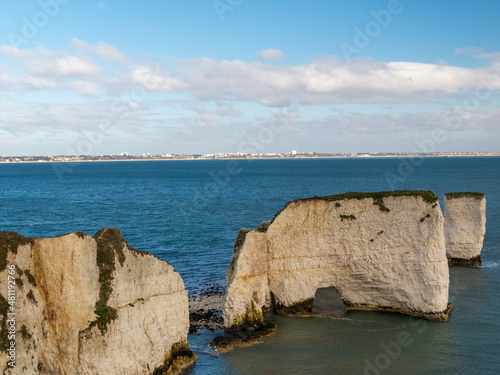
382,251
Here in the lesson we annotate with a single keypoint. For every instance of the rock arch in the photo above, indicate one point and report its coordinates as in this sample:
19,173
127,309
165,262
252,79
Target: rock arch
327,300
382,251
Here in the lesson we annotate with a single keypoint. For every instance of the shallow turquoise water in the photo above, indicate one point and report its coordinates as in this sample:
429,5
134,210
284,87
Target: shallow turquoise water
189,212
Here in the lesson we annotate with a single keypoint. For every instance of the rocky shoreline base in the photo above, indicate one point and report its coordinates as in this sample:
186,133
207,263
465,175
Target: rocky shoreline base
205,309
206,306
244,335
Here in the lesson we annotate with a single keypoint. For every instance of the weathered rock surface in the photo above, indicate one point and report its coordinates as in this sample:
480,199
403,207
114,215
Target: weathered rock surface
381,251
464,227
91,306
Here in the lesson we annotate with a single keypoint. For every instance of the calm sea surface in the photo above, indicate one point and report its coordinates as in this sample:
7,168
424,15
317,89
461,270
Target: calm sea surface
189,212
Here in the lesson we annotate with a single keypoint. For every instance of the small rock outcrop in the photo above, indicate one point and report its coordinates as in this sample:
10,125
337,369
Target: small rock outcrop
90,306
382,251
464,227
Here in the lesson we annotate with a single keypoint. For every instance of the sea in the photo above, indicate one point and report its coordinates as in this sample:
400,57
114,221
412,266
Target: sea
188,212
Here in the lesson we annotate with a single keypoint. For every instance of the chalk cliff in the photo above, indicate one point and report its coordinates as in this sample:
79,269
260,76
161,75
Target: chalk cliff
464,227
381,251
91,306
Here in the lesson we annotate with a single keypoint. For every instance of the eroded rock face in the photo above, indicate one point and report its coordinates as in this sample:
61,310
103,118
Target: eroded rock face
90,305
381,251
465,227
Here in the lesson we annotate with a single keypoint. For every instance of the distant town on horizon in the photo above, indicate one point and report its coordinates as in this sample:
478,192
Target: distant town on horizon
236,155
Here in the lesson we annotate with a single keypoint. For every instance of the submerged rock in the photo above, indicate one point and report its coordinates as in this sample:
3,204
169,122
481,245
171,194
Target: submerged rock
92,306
382,251
464,227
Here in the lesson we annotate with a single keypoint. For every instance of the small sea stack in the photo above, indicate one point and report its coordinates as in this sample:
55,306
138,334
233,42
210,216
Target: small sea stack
464,227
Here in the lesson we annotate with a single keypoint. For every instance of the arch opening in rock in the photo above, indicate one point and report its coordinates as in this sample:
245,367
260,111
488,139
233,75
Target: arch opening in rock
384,251
328,300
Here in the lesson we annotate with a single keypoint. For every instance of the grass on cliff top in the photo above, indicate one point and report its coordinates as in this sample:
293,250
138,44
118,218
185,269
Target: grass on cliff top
9,242
378,198
427,196
465,194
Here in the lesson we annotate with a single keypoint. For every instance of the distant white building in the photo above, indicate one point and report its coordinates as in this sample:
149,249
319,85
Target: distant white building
294,152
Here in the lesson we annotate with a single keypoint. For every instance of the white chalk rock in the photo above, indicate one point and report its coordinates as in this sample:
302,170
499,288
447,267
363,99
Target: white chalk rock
381,251
464,227
63,281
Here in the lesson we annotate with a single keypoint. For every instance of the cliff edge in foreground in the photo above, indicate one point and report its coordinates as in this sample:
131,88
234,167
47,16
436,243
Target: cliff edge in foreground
464,227
90,306
382,251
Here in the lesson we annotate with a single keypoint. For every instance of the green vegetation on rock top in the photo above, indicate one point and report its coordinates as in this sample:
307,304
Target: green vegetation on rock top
264,226
378,198
465,194
427,196
9,242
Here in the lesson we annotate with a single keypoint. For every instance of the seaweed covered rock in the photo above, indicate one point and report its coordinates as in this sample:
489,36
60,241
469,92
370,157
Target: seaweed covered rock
382,251
90,306
464,227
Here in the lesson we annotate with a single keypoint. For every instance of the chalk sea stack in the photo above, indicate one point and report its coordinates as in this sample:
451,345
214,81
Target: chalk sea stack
465,227
382,251
92,306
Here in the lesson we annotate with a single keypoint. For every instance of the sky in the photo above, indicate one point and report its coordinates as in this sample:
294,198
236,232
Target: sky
206,76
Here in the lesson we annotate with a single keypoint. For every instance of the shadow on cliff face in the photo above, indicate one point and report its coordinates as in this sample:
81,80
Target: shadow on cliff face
328,301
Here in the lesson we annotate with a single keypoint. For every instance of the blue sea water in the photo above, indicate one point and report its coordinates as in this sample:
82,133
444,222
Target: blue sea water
189,212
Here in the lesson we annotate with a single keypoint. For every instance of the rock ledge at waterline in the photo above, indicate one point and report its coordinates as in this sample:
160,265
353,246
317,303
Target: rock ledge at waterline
92,306
382,251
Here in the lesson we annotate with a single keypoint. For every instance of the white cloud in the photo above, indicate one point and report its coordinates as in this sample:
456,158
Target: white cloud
410,132
289,113
40,83
270,54
68,117
323,81
73,66
490,56
134,106
228,111
208,117
154,81
101,49
468,50
206,95
85,88
7,82
42,62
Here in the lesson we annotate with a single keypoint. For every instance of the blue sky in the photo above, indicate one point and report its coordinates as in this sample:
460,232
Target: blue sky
215,76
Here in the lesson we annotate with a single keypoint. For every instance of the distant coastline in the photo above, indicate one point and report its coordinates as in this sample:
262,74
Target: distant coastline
229,156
